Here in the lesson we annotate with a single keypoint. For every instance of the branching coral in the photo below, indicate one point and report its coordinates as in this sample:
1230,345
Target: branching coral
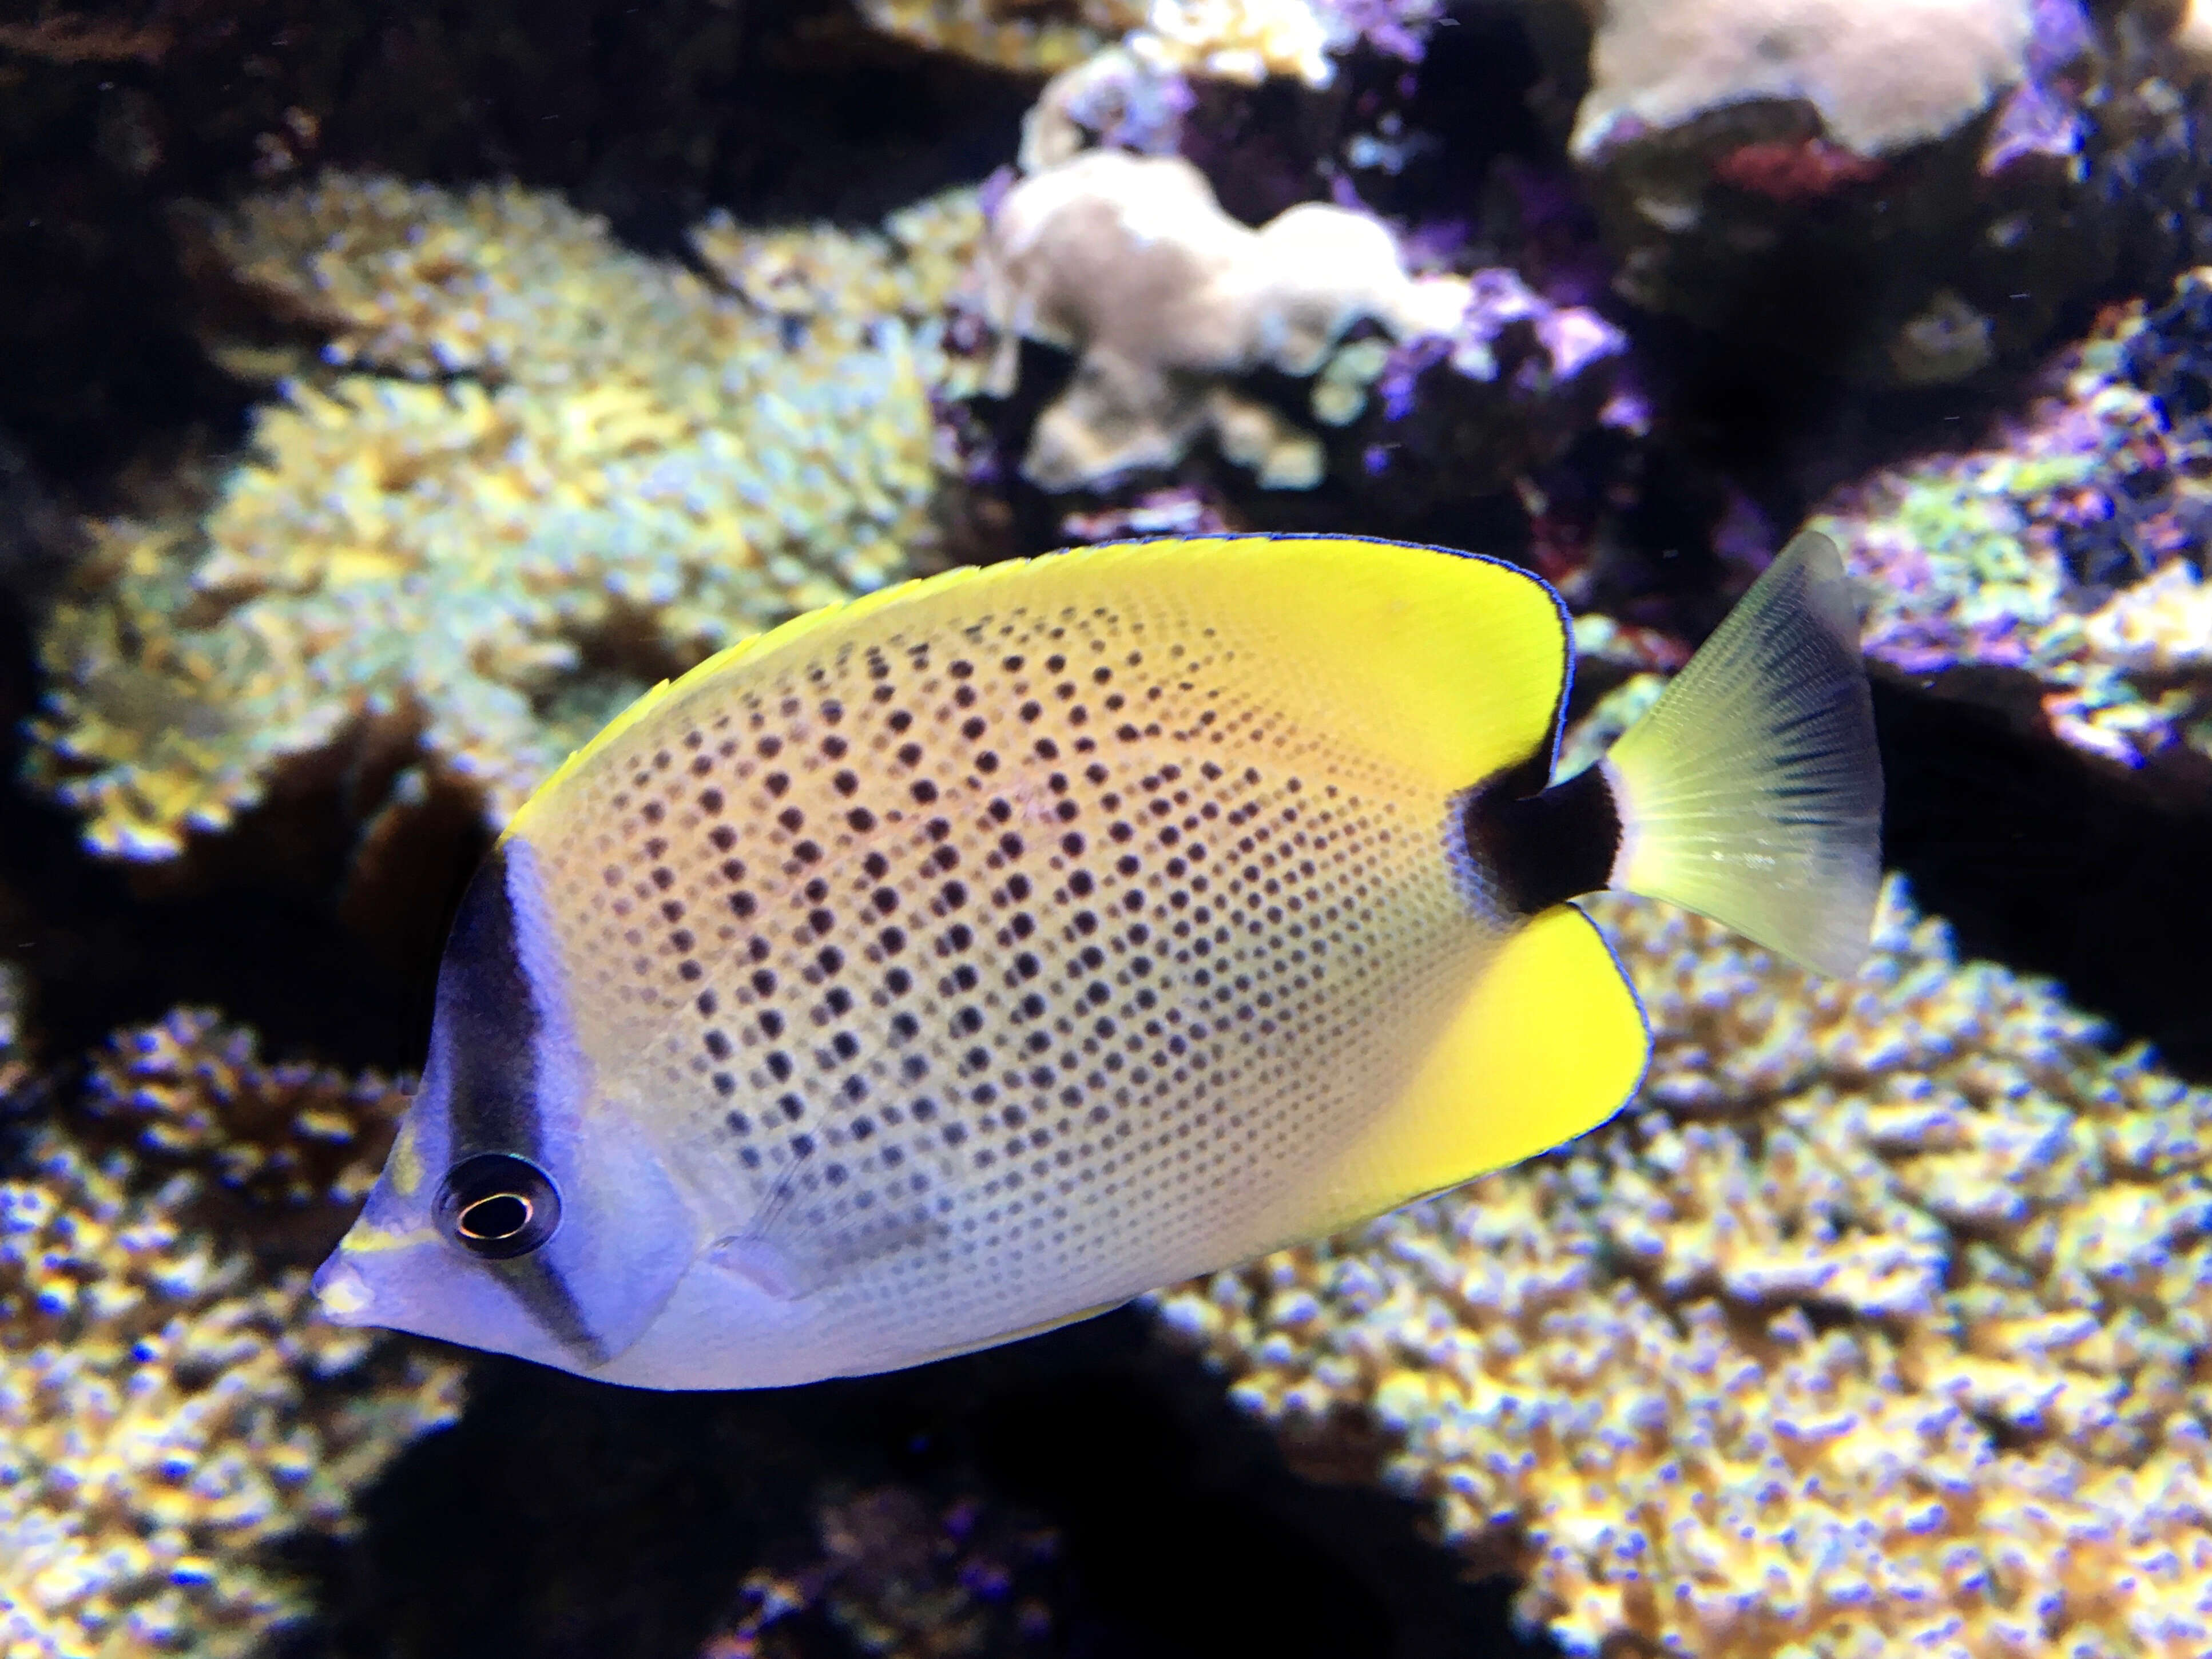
1013,35
576,469
502,283
1877,1323
169,1405
2070,552
1240,41
851,279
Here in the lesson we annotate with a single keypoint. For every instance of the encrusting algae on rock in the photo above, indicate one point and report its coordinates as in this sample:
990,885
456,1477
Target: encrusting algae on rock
2069,551
1877,1323
550,472
169,1405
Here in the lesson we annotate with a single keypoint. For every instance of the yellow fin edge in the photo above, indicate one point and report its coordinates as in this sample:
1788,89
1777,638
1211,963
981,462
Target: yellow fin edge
782,634
1550,1044
1127,559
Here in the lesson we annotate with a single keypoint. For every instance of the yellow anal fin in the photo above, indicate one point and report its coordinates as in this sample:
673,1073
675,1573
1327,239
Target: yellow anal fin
1549,1044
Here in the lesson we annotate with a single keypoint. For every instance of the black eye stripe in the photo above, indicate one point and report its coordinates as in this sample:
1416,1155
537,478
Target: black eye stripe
488,1035
487,1022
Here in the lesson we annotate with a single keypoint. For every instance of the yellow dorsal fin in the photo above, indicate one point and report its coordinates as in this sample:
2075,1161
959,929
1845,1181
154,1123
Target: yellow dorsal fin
713,668
1549,1044
1449,665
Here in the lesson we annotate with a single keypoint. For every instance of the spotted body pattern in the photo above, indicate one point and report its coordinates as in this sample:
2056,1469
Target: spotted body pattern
949,964
1026,949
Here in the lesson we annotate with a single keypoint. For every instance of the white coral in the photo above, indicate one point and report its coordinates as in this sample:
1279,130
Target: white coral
1883,76
1129,263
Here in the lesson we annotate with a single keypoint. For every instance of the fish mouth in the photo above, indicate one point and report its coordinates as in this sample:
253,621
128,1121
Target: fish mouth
343,1292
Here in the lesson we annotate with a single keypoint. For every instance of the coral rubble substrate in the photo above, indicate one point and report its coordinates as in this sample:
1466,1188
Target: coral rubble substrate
1877,1320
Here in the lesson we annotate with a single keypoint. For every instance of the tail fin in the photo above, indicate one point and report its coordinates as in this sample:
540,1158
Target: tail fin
1750,792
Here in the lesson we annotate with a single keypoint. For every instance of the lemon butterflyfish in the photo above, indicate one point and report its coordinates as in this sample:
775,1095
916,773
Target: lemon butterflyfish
952,963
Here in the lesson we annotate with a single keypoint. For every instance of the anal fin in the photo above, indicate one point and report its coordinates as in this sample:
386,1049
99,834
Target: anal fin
791,1249
1550,1042
768,1268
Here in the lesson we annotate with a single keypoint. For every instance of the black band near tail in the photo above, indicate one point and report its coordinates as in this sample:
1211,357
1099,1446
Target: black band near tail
1543,849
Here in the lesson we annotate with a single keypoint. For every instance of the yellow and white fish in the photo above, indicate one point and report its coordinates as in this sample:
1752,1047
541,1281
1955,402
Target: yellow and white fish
950,965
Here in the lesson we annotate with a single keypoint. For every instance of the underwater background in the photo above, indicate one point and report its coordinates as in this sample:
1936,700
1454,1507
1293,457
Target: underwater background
391,392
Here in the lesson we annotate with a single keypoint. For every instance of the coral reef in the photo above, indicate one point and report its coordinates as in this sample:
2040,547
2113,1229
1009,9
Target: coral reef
897,1575
1876,1322
572,469
1242,41
2069,554
1115,99
1481,406
169,1407
113,111
1906,193
1881,80
1129,263
1014,36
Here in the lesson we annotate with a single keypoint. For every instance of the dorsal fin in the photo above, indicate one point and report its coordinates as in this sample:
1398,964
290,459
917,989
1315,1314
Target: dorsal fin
1377,634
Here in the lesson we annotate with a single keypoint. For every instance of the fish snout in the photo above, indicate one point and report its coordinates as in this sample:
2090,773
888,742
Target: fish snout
343,1291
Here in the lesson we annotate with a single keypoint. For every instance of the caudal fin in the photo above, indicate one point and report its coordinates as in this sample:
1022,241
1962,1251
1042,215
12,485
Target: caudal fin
1750,792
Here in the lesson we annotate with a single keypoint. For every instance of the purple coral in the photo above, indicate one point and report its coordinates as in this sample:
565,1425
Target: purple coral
1514,383
1398,28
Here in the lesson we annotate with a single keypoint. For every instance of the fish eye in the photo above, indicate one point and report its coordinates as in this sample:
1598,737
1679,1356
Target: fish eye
497,1205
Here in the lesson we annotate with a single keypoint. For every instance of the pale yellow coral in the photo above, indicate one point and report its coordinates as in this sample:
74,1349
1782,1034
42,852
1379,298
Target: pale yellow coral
908,269
2162,626
622,468
169,1403
1013,35
1242,41
1875,1325
2191,25
415,280
1882,77
1130,263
